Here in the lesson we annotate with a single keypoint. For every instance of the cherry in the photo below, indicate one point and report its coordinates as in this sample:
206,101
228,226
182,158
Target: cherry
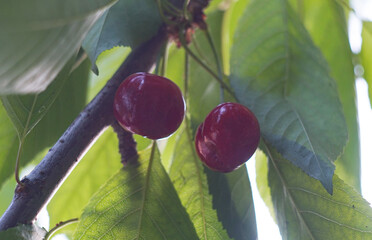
228,137
149,105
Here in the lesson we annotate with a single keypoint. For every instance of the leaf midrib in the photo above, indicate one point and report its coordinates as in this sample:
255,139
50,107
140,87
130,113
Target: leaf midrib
334,222
146,186
286,82
289,194
200,186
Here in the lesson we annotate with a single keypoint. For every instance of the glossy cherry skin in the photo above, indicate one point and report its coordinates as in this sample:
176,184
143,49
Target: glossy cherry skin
228,137
149,105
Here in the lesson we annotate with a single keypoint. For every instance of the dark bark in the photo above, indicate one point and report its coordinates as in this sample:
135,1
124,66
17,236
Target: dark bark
48,175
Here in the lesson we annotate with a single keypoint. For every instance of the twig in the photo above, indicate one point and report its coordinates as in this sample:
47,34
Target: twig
48,175
58,227
218,62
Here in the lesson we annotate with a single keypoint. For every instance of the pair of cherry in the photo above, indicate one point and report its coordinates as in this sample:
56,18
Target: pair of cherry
153,106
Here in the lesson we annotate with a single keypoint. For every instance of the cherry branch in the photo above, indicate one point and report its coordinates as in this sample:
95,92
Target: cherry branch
41,184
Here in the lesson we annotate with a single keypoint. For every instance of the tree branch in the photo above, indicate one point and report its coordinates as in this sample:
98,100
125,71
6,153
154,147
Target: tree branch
48,175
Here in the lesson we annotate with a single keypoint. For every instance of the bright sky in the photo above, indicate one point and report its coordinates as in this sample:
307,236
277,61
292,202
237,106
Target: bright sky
267,228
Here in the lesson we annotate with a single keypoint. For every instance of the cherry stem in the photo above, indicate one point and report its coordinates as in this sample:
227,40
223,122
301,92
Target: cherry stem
186,82
169,9
158,63
201,63
218,62
59,226
16,171
127,144
22,137
164,60
185,4
162,15
169,6
198,51
186,89
161,62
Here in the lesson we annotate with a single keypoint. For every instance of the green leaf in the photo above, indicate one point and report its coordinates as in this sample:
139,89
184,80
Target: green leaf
9,146
232,197
101,161
40,37
65,108
26,111
108,62
204,90
167,152
190,181
214,5
326,23
304,210
8,186
282,77
366,53
139,202
230,22
6,194
175,68
23,232
127,23
97,166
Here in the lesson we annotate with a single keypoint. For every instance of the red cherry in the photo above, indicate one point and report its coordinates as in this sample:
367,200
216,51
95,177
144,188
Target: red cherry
149,105
228,137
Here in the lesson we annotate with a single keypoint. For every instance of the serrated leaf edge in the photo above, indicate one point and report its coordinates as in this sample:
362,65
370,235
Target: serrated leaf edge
286,189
